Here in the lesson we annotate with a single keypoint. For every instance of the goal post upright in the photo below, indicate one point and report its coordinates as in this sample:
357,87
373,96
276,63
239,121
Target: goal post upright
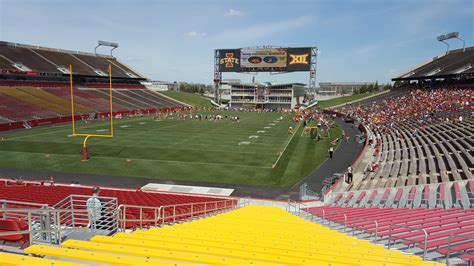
88,135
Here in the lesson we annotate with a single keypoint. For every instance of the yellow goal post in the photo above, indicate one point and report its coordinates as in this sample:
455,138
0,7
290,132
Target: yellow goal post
88,135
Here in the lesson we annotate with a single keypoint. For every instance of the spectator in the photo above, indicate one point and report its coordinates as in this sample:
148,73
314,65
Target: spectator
94,208
349,174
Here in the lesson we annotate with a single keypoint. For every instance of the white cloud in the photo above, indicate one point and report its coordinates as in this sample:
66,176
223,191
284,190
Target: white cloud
195,34
233,13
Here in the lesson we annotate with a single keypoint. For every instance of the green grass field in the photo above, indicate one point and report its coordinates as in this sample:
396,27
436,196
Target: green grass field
344,99
175,149
189,98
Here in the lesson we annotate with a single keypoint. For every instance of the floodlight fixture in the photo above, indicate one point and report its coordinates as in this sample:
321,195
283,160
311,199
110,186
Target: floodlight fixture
452,35
114,46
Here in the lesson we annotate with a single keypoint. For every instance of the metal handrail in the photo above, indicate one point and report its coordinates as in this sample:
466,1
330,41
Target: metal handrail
122,214
465,236
160,217
363,229
55,228
390,230
77,202
205,211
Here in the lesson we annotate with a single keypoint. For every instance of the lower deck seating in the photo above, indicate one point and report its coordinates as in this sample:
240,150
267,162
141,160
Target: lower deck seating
34,100
252,235
10,225
51,195
35,193
444,227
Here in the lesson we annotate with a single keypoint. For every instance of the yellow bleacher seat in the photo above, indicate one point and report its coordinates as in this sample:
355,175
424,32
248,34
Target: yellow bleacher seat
253,235
8,259
100,257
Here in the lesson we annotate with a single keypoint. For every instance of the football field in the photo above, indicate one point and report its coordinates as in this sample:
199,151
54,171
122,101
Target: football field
171,149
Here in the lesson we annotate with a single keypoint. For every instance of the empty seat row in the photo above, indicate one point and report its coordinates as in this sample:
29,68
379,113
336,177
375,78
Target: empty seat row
253,235
458,194
428,229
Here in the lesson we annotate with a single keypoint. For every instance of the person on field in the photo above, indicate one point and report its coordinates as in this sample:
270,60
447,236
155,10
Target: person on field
331,152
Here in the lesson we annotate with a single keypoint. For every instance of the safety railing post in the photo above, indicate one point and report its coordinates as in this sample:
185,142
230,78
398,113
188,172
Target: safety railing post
345,222
425,244
72,214
174,213
4,206
141,218
389,235
156,217
58,228
192,210
376,231
30,229
163,216
449,250
205,210
124,217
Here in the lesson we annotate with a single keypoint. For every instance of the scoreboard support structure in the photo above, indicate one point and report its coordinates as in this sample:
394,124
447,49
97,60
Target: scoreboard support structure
312,69
217,77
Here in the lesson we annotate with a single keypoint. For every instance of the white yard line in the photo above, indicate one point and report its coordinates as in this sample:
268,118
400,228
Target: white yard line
284,149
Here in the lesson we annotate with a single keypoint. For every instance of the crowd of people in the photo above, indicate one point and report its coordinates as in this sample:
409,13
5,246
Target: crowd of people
418,105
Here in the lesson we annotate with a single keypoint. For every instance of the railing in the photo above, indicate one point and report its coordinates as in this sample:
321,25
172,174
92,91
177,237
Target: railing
354,225
45,225
307,194
330,182
412,228
209,207
132,216
348,222
450,244
108,213
11,204
143,219
296,206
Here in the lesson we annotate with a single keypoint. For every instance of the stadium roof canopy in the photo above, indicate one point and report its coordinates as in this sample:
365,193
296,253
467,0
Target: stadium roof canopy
455,64
35,60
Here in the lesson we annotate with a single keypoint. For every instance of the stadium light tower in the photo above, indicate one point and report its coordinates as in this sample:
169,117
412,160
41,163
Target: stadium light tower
451,35
114,46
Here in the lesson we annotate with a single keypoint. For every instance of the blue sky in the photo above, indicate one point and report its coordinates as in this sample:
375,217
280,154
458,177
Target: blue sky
174,40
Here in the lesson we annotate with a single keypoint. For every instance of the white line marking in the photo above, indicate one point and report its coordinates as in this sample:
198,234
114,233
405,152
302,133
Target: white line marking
284,149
